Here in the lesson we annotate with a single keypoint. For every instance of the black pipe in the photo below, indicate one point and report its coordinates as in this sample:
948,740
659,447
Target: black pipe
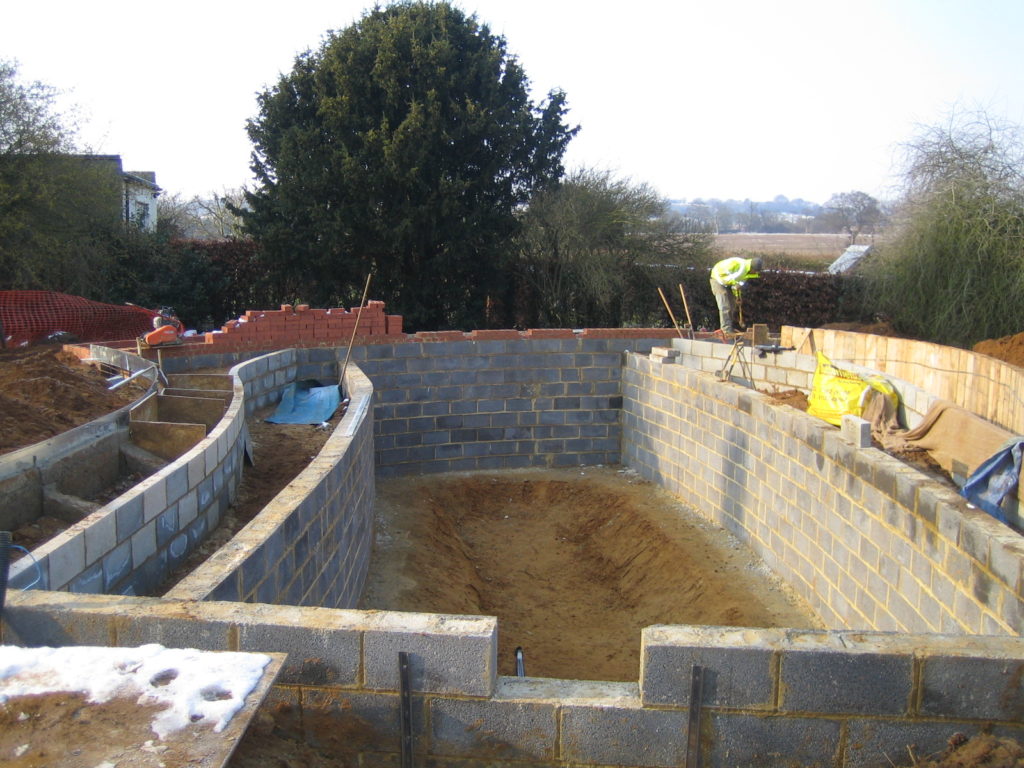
5,551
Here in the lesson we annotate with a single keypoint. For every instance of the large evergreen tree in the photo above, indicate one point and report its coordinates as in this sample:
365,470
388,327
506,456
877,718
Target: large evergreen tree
403,146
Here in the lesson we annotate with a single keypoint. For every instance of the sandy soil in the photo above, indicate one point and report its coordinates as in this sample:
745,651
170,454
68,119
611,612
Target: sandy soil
574,563
45,391
1009,349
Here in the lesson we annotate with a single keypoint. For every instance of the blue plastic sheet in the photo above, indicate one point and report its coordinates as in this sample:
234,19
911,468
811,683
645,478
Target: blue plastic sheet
994,479
306,402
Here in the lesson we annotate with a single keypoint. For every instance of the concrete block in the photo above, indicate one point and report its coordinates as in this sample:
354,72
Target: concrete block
982,688
171,625
100,536
856,431
447,654
345,722
839,680
39,618
143,543
737,665
320,651
128,515
495,730
65,560
609,735
759,742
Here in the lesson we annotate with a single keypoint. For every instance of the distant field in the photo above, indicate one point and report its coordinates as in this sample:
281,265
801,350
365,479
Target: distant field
813,246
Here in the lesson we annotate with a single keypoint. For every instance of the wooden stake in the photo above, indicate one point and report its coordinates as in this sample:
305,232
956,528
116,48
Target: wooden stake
665,302
355,329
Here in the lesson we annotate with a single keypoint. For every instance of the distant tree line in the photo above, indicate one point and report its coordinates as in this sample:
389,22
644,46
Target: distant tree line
854,213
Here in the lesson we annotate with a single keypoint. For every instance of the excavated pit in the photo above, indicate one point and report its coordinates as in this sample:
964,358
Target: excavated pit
574,563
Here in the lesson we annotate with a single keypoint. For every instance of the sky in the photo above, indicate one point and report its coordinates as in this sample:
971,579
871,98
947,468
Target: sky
738,99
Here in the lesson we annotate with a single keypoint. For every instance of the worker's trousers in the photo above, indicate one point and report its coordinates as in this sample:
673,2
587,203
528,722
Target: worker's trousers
726,305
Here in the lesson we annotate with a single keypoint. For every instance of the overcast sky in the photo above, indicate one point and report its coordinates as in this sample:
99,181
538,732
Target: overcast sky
727,99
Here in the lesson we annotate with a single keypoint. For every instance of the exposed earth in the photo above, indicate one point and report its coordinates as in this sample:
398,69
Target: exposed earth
1008,348
45,391
573,562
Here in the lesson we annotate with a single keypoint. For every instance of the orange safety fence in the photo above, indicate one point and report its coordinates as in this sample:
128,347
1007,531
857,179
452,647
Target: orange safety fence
31,317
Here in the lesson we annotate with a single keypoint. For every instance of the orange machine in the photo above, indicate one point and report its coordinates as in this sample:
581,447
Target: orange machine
167,329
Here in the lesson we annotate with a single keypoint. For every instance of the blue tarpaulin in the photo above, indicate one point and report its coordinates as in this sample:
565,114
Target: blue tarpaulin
994,479
306,402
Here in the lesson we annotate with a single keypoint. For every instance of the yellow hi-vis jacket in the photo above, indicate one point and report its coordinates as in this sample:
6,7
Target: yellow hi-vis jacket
733,272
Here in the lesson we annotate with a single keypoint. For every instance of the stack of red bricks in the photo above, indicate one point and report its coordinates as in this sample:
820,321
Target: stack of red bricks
301,326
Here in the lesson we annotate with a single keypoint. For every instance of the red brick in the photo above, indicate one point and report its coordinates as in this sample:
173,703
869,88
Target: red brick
495,335
550,333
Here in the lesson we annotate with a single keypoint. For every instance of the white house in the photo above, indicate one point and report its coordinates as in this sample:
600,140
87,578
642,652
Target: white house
137,191
140,194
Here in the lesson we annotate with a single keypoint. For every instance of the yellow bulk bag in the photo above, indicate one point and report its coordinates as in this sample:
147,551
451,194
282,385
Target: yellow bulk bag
836,392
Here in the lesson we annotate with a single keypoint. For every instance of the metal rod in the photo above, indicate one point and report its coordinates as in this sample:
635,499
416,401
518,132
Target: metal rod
405,708
693,728
355,328
5,550
122,382
520,663
665,302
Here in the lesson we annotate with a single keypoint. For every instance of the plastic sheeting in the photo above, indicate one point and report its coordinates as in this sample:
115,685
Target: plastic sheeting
306,402
995,479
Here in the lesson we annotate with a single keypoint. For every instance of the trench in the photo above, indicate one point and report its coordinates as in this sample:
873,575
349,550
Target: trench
573,563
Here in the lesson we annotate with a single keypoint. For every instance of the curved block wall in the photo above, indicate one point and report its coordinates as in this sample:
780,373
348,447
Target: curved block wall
868,541
311,544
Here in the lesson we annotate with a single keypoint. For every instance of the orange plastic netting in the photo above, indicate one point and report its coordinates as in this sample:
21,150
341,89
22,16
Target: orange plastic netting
30,317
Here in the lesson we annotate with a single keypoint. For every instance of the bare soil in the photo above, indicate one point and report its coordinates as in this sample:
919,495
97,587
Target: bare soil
573,562
1009,349
45,391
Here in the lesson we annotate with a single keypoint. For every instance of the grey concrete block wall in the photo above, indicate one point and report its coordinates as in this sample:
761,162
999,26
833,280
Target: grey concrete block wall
867,541
496,404
311,544
840,699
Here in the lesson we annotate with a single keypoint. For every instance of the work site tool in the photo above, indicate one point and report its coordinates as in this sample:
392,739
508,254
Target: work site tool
686,307
167,330
667,307
355,329
736,356
764,349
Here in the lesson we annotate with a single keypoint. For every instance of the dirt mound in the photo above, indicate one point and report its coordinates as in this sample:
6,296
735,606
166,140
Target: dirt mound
574,563
983,749
1009,349
45,391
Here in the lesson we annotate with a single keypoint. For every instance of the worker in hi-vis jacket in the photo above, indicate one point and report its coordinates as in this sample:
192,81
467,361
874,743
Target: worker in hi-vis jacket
727,280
